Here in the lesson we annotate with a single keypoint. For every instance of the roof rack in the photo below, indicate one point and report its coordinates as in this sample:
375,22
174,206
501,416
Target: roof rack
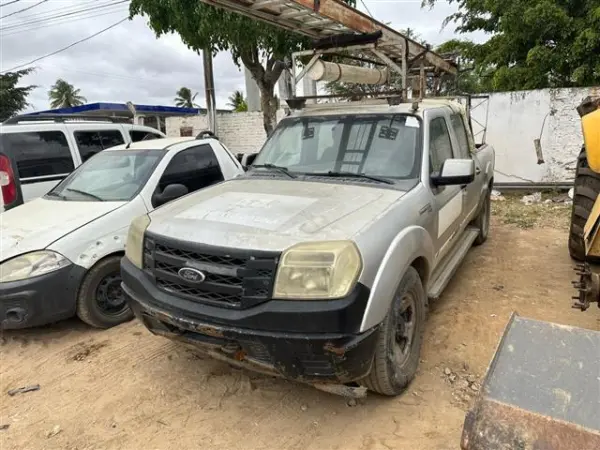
61,118
207,134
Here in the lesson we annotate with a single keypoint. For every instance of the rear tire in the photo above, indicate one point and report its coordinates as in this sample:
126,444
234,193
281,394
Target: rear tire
586,190
101,302
400,338
482,222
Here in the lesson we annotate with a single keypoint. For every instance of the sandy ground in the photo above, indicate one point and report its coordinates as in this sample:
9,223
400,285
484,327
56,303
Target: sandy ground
126,389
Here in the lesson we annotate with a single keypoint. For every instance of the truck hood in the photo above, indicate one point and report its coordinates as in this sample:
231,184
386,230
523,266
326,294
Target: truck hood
37,224
272,214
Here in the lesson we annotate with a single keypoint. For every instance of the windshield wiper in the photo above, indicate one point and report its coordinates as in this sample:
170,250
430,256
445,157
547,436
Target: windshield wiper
331,173
56,194
87,194
280,169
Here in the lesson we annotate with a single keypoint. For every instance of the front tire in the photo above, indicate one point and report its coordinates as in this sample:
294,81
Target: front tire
398,346
101,302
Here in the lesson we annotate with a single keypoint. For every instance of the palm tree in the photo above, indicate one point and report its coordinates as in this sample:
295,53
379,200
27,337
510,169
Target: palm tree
185,99
64,95
238,102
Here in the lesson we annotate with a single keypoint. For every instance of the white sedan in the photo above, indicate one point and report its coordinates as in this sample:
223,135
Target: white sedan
60,254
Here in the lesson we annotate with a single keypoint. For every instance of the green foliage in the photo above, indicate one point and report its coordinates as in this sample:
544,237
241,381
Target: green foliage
13,98
64,95
256,45
185,98
534,44
238,102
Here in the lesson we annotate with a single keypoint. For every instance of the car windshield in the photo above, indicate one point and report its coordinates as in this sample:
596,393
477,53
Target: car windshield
109,176
377,145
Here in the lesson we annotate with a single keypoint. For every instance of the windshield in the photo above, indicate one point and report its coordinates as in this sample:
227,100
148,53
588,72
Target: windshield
109,176
381,145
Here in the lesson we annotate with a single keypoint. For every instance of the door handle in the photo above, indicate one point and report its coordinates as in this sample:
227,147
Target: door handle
477,170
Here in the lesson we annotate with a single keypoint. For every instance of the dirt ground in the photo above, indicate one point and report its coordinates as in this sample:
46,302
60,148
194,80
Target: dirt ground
127,389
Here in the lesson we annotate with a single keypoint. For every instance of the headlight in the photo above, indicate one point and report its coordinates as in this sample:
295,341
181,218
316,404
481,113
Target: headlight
134,248
31,264
319,270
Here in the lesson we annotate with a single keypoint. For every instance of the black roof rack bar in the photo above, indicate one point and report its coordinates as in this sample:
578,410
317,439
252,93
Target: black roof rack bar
64,118
394,95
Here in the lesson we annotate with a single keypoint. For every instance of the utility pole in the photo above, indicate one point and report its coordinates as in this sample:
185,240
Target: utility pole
209,89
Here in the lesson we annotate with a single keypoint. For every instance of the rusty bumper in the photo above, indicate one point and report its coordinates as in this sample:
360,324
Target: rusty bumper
541,392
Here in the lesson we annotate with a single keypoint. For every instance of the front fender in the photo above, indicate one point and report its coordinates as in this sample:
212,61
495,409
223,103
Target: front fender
410,244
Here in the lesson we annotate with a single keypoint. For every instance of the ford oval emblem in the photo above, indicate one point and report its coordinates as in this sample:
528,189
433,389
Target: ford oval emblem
192,275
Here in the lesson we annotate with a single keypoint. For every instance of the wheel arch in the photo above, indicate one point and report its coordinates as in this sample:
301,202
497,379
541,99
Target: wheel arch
413,246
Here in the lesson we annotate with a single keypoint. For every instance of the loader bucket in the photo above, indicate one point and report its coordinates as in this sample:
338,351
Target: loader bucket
541,392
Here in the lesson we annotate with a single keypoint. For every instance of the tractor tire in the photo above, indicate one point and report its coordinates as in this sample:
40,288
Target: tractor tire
586,190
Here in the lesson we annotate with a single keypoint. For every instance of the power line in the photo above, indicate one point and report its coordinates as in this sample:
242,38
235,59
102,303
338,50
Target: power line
24,9
56,16
51,11
366,7
9,3
67,47
63,21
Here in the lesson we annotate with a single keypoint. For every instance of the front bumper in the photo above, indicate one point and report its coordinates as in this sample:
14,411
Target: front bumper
40,300
303,352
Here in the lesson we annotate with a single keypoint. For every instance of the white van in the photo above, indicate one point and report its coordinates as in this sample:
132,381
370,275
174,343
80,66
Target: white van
46,148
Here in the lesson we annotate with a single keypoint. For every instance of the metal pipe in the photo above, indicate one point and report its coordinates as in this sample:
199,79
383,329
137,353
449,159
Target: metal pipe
209,88
326,71
516,186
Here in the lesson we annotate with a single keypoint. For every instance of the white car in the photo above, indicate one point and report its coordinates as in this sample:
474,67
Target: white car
60,254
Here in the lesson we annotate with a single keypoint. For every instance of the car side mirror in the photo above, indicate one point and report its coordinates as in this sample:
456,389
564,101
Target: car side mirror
454,172
169,193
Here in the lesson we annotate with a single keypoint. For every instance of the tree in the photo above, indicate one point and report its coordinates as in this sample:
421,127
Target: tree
260,47
13,98
64,95
534,44
238,102
185,99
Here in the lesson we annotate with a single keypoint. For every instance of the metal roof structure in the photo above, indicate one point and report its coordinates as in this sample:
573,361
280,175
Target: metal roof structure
320,19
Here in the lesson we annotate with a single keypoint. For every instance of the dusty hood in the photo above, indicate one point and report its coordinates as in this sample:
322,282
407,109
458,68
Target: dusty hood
272,214
37,224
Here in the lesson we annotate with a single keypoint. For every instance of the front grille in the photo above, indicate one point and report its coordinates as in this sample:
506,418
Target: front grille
233,278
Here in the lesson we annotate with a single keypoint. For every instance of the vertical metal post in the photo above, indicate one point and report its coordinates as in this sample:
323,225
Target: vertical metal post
293,74
404,69
209,89
422,83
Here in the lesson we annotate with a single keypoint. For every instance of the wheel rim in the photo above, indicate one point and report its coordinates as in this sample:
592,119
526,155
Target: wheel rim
109,295
405,328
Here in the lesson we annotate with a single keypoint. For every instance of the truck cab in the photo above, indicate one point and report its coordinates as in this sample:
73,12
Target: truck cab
319,262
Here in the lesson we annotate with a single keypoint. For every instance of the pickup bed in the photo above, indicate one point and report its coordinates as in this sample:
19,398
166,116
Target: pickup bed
318,264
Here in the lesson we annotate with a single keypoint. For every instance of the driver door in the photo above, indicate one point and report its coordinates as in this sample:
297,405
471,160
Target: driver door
448,200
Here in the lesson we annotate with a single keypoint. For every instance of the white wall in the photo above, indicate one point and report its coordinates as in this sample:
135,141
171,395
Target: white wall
514,121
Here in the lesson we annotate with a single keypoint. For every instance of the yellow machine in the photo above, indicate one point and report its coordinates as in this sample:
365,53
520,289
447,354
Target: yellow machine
584,239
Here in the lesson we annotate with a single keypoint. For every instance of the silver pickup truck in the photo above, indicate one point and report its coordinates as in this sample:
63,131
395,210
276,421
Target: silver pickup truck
318,264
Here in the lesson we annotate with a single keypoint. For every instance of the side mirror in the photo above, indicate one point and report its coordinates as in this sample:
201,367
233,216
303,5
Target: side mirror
169,193
455,172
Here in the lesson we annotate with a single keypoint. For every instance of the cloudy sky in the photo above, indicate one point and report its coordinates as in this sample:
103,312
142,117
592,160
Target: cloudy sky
129,63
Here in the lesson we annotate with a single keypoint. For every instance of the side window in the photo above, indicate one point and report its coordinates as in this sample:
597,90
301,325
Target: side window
139,135
39,154
458,125
440,146
196,167
92,142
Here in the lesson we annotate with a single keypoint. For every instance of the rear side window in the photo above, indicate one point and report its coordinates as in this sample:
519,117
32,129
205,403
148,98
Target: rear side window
40,153
92,142
461,134
440,146
196,167
138,135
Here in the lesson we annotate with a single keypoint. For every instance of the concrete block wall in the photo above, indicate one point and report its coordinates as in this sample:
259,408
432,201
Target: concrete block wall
240,132
514,120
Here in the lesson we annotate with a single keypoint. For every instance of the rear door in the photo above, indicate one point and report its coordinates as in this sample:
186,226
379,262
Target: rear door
43,158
